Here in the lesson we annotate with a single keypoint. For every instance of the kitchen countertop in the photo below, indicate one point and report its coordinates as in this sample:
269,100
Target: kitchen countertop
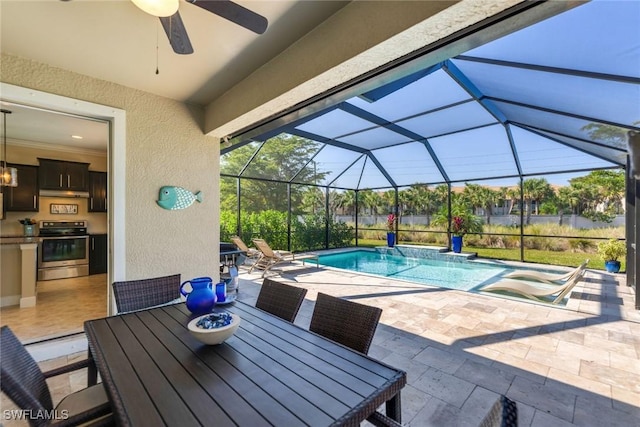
16,240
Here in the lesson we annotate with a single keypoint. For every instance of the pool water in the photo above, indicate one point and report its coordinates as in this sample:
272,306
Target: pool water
446,274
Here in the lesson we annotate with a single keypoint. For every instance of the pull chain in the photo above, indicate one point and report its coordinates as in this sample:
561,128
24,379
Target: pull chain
157,31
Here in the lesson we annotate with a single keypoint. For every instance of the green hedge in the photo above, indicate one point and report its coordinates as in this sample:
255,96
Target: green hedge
307,231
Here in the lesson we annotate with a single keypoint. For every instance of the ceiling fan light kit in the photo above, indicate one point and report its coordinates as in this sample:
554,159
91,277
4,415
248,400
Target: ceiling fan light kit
159,8
167,11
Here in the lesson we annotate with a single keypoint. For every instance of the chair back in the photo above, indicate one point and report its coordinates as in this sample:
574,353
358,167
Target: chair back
134,295
571,283
280,299
264,247
21,378
240,243
346,322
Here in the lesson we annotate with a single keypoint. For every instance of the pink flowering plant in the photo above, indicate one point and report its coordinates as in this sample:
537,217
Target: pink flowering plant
458,226
391,222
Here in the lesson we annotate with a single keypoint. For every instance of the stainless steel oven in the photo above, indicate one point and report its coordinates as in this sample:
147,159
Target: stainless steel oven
64,250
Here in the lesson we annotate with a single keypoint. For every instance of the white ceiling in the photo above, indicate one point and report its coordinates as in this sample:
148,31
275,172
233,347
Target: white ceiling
113,40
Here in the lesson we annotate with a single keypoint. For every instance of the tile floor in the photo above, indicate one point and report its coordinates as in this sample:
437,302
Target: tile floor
578,365
63,306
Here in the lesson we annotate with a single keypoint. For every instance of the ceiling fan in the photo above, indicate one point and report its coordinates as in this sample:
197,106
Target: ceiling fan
167,11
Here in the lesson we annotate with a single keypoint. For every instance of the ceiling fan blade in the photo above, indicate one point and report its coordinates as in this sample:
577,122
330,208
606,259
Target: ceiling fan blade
234,13
177,34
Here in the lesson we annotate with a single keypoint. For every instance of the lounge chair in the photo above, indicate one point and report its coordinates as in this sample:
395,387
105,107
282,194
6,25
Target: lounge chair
536,291
252,253
546,277
269,257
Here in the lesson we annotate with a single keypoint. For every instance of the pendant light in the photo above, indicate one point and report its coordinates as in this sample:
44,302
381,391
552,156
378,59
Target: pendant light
8,175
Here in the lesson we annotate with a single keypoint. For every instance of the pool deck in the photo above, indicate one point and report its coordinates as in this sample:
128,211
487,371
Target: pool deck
576,365
564,366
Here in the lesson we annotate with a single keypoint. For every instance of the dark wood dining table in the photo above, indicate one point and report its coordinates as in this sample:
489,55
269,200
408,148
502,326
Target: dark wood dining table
269,373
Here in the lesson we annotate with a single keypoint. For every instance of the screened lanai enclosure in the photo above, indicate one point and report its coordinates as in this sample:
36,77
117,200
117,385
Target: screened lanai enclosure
524,136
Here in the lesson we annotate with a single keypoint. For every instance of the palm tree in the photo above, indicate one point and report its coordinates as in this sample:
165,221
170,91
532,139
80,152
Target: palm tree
535,189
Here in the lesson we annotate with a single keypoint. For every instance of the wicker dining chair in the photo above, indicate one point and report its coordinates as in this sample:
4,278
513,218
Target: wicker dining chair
135,295
22,380
280,299
346,322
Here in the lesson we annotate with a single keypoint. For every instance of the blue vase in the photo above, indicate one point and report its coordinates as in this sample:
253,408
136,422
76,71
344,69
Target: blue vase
391,239
456,241
201,298
612,266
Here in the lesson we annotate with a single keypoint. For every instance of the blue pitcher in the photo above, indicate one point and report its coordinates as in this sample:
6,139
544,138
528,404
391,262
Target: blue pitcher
201,298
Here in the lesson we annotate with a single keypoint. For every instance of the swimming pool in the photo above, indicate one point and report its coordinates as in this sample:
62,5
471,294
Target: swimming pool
446,274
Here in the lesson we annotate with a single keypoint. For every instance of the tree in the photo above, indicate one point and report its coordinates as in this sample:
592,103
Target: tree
478,196
600,194
423,200
278,159
343,200
312,200
609,133
535,190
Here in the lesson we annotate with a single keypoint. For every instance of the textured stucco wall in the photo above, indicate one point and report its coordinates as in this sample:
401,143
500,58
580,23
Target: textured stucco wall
165,146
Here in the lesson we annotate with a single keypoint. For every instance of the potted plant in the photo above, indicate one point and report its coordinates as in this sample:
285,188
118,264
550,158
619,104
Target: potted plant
391,227
458,229
610,251
29,226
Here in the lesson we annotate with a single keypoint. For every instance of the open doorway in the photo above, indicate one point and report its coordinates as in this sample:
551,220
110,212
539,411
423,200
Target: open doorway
65,301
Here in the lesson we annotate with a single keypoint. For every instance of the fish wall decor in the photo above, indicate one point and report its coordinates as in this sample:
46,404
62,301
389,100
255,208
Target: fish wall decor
172,198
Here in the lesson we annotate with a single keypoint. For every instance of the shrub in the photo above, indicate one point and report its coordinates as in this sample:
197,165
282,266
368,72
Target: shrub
612,250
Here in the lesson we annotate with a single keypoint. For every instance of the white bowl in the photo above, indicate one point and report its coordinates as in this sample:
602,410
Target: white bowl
215,335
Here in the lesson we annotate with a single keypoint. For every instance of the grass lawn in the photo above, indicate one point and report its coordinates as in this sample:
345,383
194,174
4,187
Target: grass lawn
569,259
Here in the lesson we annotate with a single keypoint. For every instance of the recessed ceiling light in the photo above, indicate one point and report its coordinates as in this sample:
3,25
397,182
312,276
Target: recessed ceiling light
76,137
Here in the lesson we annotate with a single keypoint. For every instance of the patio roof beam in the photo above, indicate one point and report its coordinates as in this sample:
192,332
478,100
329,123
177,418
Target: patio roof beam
562,113
345,170
466,84
538,128
382,170
253,156
514,150
459,77
365,115
295,175
328,141
548,69
235,146
277,181
582,150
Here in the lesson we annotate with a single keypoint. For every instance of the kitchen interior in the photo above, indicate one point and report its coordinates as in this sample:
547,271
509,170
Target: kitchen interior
54,226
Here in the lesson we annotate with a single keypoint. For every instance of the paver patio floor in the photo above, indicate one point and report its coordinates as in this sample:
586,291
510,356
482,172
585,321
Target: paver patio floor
578,365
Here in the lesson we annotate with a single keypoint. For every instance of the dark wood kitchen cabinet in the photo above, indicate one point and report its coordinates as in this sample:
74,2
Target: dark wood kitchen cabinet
97,191
24,197
98,253
62,175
